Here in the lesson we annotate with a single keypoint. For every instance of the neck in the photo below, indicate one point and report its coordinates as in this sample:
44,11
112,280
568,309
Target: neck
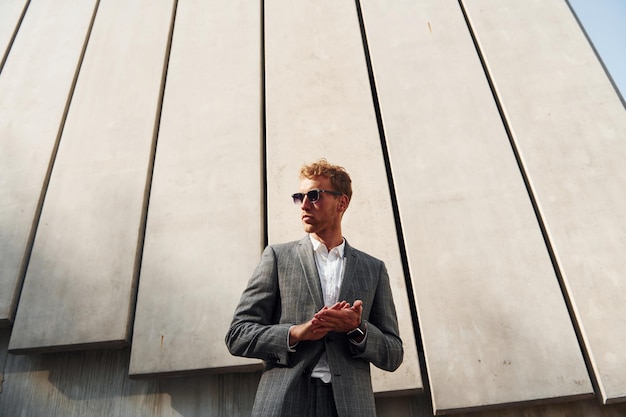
329,241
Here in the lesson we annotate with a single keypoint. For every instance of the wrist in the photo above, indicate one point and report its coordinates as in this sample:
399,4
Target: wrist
358,334
293,338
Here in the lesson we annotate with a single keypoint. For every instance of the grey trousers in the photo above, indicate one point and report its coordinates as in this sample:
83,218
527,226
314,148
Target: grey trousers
322,401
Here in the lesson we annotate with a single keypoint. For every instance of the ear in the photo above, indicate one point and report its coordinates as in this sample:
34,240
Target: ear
343,203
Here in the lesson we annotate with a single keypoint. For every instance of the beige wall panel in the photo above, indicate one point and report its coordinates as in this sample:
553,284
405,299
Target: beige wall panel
319,104
34,89
10,14
204,233
570,126
79,288
494,324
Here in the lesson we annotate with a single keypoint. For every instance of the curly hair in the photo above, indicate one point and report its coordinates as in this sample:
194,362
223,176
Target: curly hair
339,177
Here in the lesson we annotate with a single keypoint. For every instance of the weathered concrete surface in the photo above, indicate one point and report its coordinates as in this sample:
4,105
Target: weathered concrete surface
35,84
10,14
96,383
494,323
80,285
569,125
204,234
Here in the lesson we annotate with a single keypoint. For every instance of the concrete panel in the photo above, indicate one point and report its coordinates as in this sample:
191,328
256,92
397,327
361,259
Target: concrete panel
319,104
569,125
79,288
204,233
10,15
494,324
34,87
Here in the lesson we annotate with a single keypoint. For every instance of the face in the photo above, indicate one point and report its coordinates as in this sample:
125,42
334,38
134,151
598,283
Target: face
323,217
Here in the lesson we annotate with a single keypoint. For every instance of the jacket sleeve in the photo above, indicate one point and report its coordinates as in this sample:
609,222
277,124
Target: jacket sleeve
254,331
384,346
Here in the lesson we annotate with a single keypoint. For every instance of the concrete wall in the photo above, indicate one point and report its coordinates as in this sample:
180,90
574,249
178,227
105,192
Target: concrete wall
148,151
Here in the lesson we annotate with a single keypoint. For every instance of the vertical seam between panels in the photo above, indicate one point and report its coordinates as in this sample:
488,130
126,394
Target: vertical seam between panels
534,201
46,182
141,233
263,124
14,35
392,190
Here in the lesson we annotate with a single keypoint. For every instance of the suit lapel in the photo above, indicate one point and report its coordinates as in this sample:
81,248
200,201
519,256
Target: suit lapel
305,251
350,260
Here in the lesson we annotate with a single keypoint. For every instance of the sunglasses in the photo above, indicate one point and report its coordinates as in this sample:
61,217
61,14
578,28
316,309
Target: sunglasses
312,195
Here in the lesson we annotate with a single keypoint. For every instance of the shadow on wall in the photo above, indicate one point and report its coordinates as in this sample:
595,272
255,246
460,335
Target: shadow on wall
73,384
96,382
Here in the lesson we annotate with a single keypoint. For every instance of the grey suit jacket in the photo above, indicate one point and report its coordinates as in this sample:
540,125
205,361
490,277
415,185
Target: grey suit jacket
285,290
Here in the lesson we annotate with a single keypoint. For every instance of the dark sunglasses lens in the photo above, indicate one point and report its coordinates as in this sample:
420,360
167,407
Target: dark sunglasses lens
297,198
313,195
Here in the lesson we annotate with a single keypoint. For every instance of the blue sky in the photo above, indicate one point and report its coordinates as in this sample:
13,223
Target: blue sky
605,24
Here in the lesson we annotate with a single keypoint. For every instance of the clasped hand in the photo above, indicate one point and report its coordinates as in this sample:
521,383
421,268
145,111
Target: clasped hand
340,317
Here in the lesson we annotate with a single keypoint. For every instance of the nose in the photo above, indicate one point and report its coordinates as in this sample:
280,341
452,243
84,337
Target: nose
305,203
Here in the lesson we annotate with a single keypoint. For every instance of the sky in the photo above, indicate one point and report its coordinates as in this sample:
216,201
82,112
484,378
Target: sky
605,24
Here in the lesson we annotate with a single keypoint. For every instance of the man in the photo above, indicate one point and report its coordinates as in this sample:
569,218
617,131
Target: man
318,312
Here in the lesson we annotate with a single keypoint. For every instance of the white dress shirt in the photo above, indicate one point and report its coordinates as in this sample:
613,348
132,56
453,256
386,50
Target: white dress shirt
330,268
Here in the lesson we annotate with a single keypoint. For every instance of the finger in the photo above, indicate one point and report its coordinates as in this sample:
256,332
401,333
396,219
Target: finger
339,306
330,315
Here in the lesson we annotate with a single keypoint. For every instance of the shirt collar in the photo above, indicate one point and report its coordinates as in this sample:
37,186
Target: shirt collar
319,245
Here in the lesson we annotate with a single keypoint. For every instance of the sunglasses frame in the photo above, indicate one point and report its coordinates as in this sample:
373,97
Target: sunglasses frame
298,198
